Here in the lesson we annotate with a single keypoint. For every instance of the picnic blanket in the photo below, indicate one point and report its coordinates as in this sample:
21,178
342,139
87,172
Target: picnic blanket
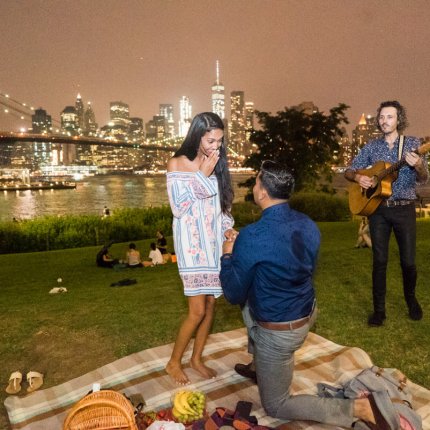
319,360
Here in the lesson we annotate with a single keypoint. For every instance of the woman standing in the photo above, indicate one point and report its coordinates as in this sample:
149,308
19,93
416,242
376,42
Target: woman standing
200,195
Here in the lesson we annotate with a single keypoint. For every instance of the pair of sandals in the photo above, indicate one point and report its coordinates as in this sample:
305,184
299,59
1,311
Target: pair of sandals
34,379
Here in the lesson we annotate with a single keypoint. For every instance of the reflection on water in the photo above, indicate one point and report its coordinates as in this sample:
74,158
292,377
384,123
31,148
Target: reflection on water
91,195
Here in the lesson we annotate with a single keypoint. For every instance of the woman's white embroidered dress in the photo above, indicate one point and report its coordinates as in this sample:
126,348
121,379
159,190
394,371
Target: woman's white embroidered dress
198,230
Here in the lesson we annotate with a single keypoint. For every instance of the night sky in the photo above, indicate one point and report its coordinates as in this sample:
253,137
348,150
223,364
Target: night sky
279,52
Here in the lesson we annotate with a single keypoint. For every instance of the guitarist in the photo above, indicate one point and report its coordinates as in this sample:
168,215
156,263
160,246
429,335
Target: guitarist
396,213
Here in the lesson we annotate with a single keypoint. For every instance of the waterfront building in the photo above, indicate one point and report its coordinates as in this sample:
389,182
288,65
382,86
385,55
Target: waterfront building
365,130
185,116
344,157
90,124
79,107
156,128
249,124
41,122
136,132
70,121
66,153
237,125
218,97
166,111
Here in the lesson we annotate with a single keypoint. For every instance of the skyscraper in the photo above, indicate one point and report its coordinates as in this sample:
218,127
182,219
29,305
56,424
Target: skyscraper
136,132
364,131
237,125
79,106
249,122
119,120
166,111
185,116
218,102
69,120
41,122
90,124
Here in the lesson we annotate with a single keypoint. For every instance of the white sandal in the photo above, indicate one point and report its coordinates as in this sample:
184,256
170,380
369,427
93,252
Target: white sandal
14,386
35,381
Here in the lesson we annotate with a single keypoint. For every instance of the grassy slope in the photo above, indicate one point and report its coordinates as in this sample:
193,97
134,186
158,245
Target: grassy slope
67,335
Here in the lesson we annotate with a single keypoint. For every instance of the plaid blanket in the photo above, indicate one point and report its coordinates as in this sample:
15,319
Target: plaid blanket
319,360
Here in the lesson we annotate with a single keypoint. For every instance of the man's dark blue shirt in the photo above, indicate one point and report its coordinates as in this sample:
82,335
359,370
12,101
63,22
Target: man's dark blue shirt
272,265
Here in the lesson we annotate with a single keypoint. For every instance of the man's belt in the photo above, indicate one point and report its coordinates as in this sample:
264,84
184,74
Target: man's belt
290,325
392,203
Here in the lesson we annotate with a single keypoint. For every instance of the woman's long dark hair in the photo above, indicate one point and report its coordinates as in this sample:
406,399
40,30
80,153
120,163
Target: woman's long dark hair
201,124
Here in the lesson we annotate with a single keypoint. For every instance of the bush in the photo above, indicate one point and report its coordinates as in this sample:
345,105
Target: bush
51,232
321,206
245,213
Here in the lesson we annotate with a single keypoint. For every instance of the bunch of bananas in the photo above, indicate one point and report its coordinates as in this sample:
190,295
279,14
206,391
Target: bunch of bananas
188,406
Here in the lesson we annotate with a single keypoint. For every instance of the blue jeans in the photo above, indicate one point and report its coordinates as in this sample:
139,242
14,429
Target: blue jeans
274,363
402,221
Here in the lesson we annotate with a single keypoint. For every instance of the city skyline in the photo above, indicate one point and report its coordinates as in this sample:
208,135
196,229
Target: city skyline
280,53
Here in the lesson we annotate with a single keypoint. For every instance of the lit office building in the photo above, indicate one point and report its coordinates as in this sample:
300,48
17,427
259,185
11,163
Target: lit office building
79,106
155,128
249,124
364,131
166,111
69,120
41,122
119,121
237,125
218,98
185,116
136,132
66,153
90,124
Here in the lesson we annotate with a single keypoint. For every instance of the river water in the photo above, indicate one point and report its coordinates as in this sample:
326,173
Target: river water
92,194
113,191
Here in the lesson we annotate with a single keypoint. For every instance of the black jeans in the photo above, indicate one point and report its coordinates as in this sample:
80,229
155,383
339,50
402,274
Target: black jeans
402,221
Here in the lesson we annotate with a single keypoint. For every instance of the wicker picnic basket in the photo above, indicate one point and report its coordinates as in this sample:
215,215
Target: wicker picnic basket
105,409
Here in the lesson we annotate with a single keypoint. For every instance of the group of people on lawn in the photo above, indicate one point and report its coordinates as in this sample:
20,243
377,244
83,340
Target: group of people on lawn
268,267
157,255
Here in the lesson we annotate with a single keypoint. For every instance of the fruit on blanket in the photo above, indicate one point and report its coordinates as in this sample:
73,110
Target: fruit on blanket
188,406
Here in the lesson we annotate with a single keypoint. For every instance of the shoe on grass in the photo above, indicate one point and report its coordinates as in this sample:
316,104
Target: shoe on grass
376,319
14,386
415,310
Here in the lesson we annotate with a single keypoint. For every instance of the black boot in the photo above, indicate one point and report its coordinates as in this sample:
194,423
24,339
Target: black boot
376,319
409,284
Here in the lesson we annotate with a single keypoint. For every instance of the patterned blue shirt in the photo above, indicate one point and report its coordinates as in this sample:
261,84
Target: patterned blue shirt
403,188
272,264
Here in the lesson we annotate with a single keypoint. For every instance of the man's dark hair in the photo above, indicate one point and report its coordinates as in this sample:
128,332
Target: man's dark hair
153,247
132,245
402,120
276,180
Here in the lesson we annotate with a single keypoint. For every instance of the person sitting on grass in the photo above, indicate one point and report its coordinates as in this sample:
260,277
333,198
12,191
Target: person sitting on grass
105,260
132,258
155,257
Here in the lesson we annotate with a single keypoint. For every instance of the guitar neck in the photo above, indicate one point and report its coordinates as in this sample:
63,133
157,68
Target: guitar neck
392,168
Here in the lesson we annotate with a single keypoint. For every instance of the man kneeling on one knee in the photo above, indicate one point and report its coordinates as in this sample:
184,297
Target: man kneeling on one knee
268,270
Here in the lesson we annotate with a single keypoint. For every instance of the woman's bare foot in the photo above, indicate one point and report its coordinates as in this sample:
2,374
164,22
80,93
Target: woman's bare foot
205,371
177,374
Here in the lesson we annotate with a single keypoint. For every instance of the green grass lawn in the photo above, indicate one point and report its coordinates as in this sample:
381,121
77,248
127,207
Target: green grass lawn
67,335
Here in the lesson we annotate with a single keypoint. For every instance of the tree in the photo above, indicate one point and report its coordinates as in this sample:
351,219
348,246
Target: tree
306,144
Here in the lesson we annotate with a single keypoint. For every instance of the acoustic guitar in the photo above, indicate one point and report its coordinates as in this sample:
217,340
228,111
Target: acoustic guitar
365,202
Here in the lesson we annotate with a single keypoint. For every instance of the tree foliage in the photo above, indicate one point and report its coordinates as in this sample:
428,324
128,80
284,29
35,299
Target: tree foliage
306,144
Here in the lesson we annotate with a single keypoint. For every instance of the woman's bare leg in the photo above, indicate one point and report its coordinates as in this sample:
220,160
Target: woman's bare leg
200,340
196,314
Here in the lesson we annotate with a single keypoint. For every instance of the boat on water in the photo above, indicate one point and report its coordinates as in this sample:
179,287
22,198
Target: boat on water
37,186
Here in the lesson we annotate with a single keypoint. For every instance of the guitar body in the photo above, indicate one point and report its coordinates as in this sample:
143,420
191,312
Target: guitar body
365,202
